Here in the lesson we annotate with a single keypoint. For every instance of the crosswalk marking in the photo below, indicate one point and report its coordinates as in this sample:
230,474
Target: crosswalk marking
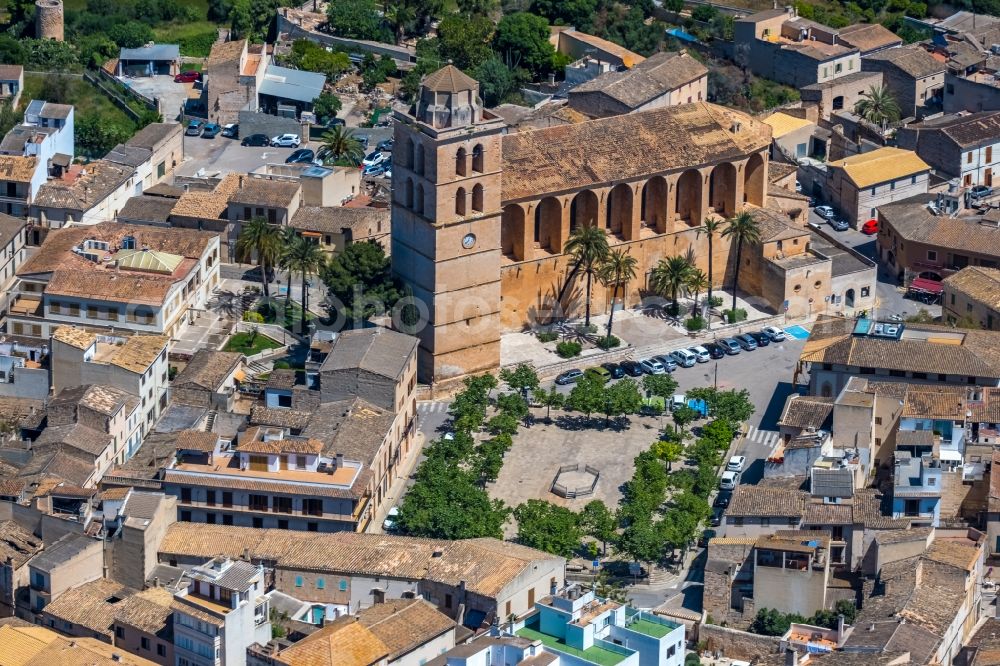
432,407
765,437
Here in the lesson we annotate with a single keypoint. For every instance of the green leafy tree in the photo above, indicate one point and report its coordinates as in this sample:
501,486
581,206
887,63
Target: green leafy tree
599,522
549,399
357,19
340,146
545,526
477,8
878,106
770,622
578,13
306,258
669,276
588,395
632,30
130,35
669,451
522,378
684,416
616,272
360,281
661,385
589,248
525,37
446,502
326,105
263,241
497,81
466,41
729,408
742,228
621,399
641,541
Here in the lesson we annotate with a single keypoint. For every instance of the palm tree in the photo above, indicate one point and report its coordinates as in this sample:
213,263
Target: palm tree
339,144
742,228
589,247
710,226
669,276
305,257
696,282
877,106
258,237
288,237
616,271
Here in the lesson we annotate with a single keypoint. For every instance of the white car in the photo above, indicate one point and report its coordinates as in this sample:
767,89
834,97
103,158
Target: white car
701,353
373,158
775,333
286,141
390,519
652,367
684,358
736,464
729,480
825,212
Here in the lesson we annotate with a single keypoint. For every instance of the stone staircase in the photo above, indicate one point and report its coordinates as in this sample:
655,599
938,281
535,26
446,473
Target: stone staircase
210,421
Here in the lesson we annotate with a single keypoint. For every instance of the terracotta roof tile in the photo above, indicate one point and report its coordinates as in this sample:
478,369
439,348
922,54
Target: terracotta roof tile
208,369
880,166
403,625
149,611
449,79
345,642
806,411
868,36
254,191
17,169
655,76
977,283
207,205
762,501
92,605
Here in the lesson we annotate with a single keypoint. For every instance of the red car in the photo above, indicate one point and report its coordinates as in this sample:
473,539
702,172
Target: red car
189,76
870,227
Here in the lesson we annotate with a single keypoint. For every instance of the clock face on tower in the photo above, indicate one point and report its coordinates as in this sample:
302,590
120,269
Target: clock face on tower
468,241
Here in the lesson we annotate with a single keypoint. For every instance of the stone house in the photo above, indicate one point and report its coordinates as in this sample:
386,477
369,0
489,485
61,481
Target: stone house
860,184
966,146
209,380
915,78
973,292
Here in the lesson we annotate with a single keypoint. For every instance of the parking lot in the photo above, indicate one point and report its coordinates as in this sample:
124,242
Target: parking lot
172,96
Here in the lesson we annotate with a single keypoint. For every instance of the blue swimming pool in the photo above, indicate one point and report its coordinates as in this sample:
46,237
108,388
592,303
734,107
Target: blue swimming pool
797,332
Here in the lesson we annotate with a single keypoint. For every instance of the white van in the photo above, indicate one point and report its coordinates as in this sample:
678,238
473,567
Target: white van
729,480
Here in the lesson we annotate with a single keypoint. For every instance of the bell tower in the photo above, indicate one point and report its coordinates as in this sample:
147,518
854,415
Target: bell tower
446,224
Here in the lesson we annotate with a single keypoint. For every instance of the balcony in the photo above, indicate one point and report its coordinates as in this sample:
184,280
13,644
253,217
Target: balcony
600,655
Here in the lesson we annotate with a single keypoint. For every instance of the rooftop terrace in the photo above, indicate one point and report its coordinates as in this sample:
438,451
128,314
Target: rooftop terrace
595,655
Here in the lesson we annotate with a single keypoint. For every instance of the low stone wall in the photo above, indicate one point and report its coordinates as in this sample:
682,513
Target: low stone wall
737,644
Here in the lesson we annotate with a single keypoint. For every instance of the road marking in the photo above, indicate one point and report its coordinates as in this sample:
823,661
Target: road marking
765,437
432,407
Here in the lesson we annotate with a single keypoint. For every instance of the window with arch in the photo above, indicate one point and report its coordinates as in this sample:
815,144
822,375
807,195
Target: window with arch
408,193
408,152
460,201
461,157
418,198
418,160
477,198
477,158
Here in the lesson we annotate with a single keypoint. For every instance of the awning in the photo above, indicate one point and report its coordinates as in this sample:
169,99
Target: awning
929,286
947,454
310,234
239,375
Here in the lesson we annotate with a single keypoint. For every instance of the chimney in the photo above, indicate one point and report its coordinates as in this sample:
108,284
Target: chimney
791,657
340,460
241,181
156,581
840,629
116,657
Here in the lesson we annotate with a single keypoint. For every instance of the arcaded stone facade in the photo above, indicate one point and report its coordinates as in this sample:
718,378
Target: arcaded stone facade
481,218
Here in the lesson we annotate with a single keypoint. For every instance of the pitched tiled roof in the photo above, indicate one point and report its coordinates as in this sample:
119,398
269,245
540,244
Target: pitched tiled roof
147,611
362,222
868,36
782,123
268,485
977,283
207,369
78,436
872,509
17,169
207,205
254,191
803,411
914,222
354,429
380,351
153,134
404,624
449,79
655,76
957,553
280,446
569,157
913,60
17,543
92,605
345,642
102,177
197,440
136,354
934,402
10,227
147,209
762,501
827,514
880,165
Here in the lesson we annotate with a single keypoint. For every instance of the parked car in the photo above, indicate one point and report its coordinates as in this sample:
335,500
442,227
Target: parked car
731,346
616,370
651,366
684,358
301,156
715,350
286,141
599,372
255,140
372,158
389,524
187,76
632,368
373,170
746,341
667,361
980,192
729,480
194,127
716,519
761,339
334,122
736,463
870,227
569,377
388,172
775,333
839,225
232,130
362,139
677,401
825,212
722,500
385,146
701,354
210,131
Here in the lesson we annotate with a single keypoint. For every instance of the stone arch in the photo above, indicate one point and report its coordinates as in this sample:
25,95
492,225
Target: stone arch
722,189
418,198
460,201
512,232
689,197
477,198
654,203
407,153
583,210
477,158
408,193
548,220
461,158
754,177
619,213
418,160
